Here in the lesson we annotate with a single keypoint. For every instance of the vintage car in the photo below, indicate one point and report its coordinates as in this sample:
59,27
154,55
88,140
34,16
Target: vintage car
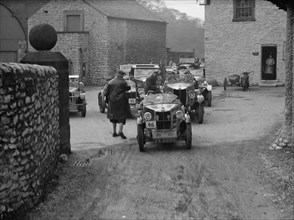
77,96
139,72
102,102
185,87
203,85
137,79
162,119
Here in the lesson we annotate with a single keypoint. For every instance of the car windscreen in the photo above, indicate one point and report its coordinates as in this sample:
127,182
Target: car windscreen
143,73
160,98
179,78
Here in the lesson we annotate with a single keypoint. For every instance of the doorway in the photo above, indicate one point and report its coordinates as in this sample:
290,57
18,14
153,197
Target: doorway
269,62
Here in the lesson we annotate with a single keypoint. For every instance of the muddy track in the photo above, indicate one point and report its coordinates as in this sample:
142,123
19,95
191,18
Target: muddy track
174,183
217,179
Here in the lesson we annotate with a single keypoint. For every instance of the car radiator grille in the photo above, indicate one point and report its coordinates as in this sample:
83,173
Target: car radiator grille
162,120
182,95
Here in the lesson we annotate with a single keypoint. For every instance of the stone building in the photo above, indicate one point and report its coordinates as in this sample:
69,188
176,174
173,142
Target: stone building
14,27
95,35
99,35
240,35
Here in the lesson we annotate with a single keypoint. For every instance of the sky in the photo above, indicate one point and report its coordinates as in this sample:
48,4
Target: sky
187,6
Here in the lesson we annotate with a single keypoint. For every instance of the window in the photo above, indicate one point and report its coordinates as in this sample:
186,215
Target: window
244,10
73,21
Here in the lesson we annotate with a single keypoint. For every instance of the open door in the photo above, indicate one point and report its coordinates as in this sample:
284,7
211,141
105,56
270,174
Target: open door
269,62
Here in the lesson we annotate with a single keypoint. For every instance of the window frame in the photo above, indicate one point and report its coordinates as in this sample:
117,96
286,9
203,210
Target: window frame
73,13
237,19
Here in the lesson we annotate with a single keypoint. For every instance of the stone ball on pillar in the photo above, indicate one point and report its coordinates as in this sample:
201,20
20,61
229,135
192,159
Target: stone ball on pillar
43,37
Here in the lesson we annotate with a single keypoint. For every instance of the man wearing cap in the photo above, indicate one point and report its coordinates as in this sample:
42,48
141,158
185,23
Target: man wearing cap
118,106
152,82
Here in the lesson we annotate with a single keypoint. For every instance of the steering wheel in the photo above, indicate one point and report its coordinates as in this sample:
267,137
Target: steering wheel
150,92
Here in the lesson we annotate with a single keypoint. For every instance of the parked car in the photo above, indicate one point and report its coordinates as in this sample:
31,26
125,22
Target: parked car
136,77
162,119
185,87
77,95
203,85
139,72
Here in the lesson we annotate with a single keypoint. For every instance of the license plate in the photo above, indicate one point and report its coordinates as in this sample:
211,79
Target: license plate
168,134
151,124
132,101
165,140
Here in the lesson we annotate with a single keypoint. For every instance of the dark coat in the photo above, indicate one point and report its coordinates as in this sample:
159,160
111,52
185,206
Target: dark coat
118,103
151,84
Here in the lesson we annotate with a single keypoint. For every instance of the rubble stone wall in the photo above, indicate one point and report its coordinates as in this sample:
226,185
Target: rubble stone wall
29,133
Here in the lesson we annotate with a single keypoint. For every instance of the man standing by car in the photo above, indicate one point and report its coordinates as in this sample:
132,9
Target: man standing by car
118,106
152,82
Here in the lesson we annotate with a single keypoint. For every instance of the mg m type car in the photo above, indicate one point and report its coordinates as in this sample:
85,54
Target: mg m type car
183,85
162,119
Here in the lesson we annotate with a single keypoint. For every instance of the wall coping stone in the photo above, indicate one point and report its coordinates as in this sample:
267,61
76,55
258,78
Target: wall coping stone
10,70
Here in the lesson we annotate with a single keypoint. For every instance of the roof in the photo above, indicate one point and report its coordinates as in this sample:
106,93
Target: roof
282,4
124,9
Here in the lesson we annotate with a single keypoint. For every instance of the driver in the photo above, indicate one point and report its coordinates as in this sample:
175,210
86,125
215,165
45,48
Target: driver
152,82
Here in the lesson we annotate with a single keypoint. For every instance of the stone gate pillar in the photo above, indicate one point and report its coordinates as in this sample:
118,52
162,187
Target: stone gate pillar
43,38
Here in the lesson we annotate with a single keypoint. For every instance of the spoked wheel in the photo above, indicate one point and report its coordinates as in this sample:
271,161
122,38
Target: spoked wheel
225,83
200,113
140,137
84,110
101,103
209,98
188,139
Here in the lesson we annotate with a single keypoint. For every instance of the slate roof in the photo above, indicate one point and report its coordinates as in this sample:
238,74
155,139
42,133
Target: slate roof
124,9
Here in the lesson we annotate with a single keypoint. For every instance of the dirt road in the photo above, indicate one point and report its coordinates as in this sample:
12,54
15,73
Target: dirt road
217,179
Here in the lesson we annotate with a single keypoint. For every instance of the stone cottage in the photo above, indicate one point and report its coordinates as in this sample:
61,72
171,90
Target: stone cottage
99,35
14,27
245,35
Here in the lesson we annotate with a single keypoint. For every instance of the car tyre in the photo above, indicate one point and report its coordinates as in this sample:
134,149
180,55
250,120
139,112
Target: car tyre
200,113
209,98
188,136
84,110
225,83
101,103
140,137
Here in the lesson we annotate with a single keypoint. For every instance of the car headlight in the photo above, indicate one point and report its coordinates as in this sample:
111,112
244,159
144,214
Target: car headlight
147,116
192,95
83,96
179,114
204,84
200,98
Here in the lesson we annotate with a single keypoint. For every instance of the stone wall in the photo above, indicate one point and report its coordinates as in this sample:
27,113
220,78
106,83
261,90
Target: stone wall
29,133
234,47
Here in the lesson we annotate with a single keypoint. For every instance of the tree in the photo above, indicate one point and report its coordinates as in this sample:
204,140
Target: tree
183,32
